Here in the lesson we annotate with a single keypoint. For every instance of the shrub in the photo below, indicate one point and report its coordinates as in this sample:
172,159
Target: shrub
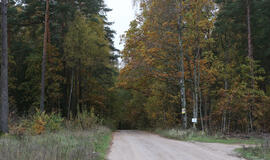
42,122
54,122
84,120
38,123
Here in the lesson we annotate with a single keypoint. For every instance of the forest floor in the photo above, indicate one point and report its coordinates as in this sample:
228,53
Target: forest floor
137,145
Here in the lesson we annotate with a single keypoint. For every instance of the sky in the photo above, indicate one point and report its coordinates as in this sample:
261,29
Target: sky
122,14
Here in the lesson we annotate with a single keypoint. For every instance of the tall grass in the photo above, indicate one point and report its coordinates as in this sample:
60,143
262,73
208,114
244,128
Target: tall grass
63,145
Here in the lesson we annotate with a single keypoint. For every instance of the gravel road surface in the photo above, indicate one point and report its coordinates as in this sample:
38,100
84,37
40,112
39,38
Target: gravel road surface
136,145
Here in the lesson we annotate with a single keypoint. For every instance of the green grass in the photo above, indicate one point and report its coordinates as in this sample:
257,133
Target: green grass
103,143
191,135
254,153
215,139
63,145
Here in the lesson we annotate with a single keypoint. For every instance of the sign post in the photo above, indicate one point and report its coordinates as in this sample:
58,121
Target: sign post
194,120
183,110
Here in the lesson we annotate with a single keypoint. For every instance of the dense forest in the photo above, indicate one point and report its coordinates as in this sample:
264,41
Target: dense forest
198,60
186,63
73,41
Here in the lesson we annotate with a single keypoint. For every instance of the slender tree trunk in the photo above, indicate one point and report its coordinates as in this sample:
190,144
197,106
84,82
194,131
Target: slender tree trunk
229,122
80,86
4,71
70,93
43,70
205,112
209,114
250,55
194,108
76,89
195,94
182,68
48,30
224,117
200,94
201,113
250,47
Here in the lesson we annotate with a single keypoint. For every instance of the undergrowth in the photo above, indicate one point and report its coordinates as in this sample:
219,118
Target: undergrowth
50,137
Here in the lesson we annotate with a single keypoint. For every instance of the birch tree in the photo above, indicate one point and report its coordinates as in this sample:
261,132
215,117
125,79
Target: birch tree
181,63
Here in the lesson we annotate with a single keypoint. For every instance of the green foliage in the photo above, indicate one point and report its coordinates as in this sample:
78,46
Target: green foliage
102,143
87,57
72,24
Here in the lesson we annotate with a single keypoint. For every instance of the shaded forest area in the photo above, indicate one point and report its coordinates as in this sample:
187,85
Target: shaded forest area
61,58
185,61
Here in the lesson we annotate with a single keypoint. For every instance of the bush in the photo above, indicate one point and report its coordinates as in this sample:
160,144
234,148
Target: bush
41,122
84,120
36,124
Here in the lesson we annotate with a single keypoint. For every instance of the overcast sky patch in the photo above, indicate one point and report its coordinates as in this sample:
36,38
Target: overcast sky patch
123,13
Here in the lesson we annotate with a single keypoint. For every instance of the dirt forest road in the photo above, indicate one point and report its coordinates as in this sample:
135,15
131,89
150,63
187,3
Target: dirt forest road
136,145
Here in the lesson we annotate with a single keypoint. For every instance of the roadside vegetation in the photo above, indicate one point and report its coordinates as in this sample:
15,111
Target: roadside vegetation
258,152
200,136
50,137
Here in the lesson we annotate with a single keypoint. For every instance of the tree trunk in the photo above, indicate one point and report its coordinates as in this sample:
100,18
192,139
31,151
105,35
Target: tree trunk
4,71
181,66
80,87
201,115
250,50
224,116
70,93
200,93
43,70
205,112
195,94
250,55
